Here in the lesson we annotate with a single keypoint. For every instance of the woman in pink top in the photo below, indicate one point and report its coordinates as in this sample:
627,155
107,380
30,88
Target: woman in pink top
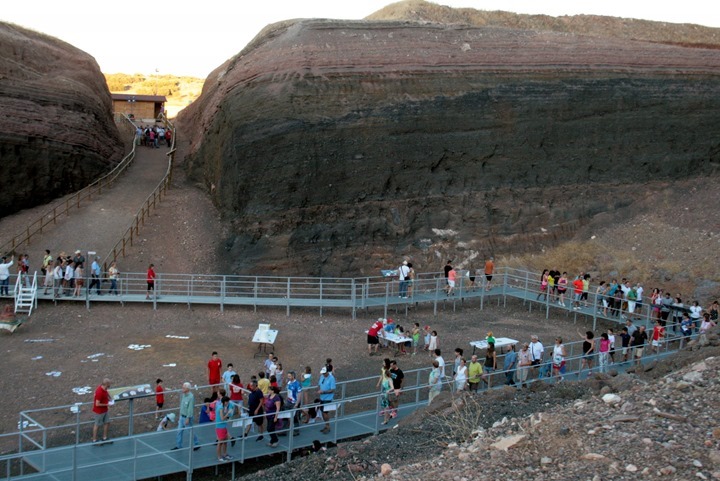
604,358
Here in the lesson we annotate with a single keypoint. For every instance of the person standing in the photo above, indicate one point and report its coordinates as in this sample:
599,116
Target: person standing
509,365
475,372
441,363
490,363
372,337
255,408
403,273
95,273
187,413
273,405
326,390
524,364
658,335
47,259
461,375
536,352
558,360
294,398
113,273
101,402
489,269
5,275
639,339
214,367
150,281
435,381
397,377
58,278
223,412
452,278
49,272
159,397
228,375
588,348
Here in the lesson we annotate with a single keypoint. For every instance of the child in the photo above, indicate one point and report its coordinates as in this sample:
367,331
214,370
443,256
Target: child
427,338
159,397
267,365
490,338
222,414
166,421
604,351
305,384
330,368
416,337
611,337
434,343
227,376
279,375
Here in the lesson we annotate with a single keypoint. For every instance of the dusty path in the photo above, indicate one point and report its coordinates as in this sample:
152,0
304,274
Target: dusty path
99,222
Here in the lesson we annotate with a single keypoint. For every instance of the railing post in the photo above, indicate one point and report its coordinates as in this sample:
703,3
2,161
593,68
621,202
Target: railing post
354,299
222,294
387,296
288,297
255,294
321,296
505,281
527,285
437,293
417,388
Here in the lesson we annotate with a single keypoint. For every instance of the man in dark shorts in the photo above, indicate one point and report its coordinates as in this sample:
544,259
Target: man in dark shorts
372,336
397,377
489,269
150,281
447,269
638,341
101,402
255,409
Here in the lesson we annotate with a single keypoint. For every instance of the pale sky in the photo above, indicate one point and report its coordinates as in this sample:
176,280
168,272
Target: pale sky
193,37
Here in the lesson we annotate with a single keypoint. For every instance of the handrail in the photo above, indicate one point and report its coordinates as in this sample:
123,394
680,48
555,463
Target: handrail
50,216
156,195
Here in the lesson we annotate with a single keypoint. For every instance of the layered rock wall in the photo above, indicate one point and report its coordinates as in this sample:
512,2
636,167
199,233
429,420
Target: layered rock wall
56,129
336,147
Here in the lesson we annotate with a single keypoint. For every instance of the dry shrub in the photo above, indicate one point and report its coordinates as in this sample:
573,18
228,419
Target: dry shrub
458,422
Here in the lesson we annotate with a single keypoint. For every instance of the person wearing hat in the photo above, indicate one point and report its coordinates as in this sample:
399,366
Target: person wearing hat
166,421
403,274
326,390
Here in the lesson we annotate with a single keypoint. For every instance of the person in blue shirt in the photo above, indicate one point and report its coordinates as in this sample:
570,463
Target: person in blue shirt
326,390
95,273
294,398
509,366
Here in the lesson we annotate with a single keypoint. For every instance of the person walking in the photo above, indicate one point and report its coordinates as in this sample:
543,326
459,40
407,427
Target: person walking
187,413
509,365
326,390
524,364
397,377
461,375
151,275
489,270
273,405
101,403
113,274
95,273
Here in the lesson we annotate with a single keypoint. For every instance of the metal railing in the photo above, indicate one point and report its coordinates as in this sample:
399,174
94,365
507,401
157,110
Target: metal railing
357,401
133,230
63,207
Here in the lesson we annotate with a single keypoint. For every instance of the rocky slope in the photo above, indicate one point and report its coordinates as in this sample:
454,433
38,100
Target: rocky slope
335,147
658,423
57,132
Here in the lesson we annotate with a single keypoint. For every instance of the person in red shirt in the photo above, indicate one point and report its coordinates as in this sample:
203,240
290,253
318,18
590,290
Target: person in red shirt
101,401
658,334
577,292
159,397
372,337
150,281
214,368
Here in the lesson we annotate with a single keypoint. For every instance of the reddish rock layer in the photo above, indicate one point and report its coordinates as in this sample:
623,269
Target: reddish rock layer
56,130
338,146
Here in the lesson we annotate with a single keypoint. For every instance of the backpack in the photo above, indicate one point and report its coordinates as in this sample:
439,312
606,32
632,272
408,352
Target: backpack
211,412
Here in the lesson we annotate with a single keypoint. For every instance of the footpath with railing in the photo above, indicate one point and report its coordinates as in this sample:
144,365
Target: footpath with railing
73,201
53,443
155,196
348,294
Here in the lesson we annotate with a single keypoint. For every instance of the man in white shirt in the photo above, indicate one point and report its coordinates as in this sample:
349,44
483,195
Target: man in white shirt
441,363
5,275
403,273
536,352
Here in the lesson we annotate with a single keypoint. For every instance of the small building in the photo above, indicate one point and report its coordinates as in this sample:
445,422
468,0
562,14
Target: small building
138,106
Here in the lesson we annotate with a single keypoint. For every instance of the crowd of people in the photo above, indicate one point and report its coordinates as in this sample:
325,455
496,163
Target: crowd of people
407,277
153,136
260,402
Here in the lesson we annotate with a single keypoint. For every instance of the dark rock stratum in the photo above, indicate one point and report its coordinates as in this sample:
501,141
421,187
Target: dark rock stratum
338,147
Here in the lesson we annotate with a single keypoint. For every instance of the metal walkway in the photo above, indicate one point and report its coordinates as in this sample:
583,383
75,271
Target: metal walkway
352,294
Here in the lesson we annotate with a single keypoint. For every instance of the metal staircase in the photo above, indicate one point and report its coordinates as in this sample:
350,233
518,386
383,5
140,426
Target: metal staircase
25,294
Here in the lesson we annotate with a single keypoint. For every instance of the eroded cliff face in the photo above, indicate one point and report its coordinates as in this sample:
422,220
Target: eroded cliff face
338,147
56,129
